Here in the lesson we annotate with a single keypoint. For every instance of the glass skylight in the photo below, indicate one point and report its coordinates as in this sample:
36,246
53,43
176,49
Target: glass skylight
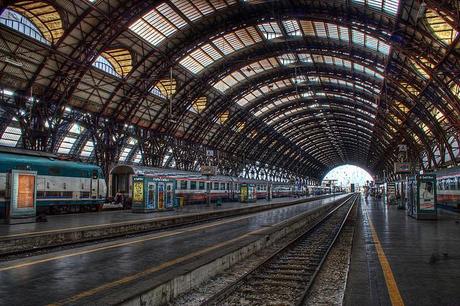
10,137
168,18
390,7
207,54
87,149
270,30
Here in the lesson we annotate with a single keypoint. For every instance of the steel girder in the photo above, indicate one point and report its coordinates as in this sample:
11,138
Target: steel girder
267,8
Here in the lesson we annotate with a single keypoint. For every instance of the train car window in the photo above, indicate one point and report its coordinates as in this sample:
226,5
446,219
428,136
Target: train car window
440,185
183,185
54,171
201,185
453,184
216,186
458,182
228,186
84,194
222,186
95,174
192,185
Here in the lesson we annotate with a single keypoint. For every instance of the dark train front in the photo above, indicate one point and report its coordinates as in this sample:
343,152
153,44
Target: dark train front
43,183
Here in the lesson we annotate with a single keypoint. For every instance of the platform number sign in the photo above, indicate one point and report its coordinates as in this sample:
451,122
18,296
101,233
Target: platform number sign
138,191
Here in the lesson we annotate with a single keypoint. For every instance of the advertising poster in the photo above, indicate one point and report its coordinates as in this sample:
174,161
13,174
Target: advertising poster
244,193
138,191
151,196
426,196
161,196
26,191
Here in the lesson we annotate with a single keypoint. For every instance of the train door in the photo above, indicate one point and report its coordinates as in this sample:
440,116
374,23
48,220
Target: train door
94,184
161,195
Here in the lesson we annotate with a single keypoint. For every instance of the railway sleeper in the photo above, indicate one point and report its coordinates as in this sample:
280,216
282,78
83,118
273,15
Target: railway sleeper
288,277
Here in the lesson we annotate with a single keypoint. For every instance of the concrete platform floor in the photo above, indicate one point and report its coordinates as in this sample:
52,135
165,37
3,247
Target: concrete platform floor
414,249
87,274
69,221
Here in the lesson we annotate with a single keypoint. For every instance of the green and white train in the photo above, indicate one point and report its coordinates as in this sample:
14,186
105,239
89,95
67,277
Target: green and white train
60,185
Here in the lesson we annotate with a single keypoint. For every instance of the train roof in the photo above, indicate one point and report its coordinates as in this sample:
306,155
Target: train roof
178,174
42,163
454,171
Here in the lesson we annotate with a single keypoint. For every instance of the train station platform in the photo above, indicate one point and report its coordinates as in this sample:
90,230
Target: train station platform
113,272
398,260
71,228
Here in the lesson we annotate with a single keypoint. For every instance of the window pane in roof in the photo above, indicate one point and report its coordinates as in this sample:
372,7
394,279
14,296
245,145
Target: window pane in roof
388,6
138,158
76,129
191,64
186,8
333,31
234,41
307,28
159,23
124,154
66,145
292,27
248,36
198,59
87,149
320,29
10,137
221,86
270,30
287,59
203,7
223,45
211,51
22,24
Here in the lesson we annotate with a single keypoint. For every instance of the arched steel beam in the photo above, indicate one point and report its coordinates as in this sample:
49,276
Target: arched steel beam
288,13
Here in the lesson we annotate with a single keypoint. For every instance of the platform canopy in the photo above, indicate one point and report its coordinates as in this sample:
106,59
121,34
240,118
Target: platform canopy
302,86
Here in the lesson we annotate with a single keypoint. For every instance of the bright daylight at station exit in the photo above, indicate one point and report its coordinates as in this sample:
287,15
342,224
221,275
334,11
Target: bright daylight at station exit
229,152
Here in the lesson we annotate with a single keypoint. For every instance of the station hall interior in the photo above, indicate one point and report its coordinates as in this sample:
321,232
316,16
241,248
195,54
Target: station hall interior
229,152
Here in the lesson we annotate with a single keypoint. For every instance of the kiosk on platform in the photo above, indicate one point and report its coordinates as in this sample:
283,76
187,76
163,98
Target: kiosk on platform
152,194
248,193
421,196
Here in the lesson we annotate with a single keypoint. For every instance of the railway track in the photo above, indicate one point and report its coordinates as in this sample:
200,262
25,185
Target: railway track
287,275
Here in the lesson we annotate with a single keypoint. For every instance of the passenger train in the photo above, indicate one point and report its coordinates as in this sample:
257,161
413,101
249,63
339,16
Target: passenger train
60,185
68,186
192,186
448,191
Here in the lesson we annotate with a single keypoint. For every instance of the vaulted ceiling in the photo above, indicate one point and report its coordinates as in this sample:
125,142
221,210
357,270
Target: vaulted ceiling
307,85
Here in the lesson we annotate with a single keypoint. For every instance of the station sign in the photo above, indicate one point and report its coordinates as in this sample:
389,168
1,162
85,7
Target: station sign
402,167
208,170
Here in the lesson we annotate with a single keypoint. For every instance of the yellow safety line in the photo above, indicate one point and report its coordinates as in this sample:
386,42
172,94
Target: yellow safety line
176,232
393,291
151,270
